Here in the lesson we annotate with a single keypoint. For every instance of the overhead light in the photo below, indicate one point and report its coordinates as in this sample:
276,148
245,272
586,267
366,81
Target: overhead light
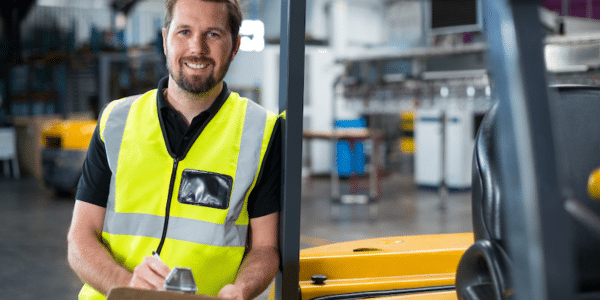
444,92
471,91
253,35
120,21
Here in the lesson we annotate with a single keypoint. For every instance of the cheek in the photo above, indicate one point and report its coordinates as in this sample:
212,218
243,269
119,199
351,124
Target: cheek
173,46
225,53
174,54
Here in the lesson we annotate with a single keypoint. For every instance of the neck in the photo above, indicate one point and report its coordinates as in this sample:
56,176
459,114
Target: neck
189,105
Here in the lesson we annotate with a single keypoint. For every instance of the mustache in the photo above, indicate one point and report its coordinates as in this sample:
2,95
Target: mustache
197,60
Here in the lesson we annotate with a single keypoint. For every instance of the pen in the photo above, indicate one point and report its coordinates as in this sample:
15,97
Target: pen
155,255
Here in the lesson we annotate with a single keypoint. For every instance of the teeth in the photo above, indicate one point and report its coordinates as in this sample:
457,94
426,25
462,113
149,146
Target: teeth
195,66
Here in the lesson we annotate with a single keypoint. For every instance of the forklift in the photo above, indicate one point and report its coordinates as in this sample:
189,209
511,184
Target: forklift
64,147
536,205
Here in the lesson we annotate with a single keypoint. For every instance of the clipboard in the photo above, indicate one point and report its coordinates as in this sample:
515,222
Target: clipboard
126,293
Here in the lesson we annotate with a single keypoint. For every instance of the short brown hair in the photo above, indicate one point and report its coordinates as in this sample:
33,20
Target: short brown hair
234,12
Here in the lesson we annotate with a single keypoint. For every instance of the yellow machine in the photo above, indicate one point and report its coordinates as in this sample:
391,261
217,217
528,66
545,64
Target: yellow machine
407,126
594,185
383,268
65,144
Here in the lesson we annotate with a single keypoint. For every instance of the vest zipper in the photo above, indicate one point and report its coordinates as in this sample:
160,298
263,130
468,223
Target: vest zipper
168,208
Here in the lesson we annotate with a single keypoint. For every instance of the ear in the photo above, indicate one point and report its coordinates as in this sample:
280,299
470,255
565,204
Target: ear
236,46
164,37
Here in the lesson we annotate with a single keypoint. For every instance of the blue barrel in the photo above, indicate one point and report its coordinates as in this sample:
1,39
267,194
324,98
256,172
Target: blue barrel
350,161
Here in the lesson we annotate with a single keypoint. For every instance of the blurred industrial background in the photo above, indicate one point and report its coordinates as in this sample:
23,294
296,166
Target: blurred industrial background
394,93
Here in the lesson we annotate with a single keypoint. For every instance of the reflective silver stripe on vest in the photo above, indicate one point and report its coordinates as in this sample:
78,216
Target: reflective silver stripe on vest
113,134
190,230
247,166
182,229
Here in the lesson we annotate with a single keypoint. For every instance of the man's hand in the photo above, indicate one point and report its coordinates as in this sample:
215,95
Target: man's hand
150,274
231,292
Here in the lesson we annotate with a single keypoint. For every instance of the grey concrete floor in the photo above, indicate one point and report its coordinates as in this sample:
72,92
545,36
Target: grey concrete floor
34,224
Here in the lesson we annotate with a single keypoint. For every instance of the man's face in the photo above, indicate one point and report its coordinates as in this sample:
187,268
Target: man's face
198,45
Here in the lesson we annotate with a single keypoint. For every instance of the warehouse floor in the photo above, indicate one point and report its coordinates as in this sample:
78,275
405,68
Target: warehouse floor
34,224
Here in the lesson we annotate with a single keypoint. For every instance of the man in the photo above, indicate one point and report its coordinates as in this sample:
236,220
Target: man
189,170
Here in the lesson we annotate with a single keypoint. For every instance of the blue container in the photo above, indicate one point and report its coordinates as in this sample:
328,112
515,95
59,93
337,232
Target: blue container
350,161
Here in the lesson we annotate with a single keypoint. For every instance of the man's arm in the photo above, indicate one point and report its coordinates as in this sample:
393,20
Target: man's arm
94,264
260,264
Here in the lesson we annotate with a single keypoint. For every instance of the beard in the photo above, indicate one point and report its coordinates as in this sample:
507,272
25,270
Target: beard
196,84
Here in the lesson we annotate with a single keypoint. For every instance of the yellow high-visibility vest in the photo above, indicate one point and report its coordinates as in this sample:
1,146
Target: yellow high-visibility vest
195,207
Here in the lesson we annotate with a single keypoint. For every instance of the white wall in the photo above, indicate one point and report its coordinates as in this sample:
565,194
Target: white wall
356,24
246,69
321,74
404,20
148,17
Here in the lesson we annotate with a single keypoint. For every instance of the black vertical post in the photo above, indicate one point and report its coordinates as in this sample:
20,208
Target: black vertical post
291,100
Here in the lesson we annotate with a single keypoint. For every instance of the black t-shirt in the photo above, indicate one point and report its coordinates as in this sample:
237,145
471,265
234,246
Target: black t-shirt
94,184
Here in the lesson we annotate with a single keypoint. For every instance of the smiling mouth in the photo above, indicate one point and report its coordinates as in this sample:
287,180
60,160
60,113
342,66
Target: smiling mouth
197,66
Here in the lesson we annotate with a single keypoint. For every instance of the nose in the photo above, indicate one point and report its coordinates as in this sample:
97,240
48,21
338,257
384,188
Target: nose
199,45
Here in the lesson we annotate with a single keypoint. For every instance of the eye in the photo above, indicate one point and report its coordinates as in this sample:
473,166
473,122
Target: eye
214,35
184,32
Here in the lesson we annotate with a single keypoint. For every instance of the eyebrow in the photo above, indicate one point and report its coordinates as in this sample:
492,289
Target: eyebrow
218,29
185,26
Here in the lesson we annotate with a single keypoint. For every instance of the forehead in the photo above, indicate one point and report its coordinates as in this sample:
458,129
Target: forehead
200,13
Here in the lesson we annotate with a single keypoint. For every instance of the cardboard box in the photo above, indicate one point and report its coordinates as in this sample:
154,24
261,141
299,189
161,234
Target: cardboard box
29,143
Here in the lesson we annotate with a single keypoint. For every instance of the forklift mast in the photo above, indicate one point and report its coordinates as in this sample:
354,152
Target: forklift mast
291,103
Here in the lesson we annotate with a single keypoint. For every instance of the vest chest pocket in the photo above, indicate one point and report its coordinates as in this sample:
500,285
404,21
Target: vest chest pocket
205,189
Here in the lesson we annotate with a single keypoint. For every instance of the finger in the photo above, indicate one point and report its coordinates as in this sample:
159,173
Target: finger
159,267
147,273
150,280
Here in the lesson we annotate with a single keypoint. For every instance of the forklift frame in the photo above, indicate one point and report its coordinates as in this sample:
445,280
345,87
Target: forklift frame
539,233
291,102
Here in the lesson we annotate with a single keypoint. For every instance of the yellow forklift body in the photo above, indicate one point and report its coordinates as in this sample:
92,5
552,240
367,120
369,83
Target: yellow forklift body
594,185
65,143
381,264
445,295
68,134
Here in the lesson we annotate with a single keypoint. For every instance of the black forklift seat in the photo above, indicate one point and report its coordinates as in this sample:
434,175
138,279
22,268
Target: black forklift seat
484,269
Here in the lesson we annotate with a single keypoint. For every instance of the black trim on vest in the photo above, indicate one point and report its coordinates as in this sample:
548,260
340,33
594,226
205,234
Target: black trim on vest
161,97
168,208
